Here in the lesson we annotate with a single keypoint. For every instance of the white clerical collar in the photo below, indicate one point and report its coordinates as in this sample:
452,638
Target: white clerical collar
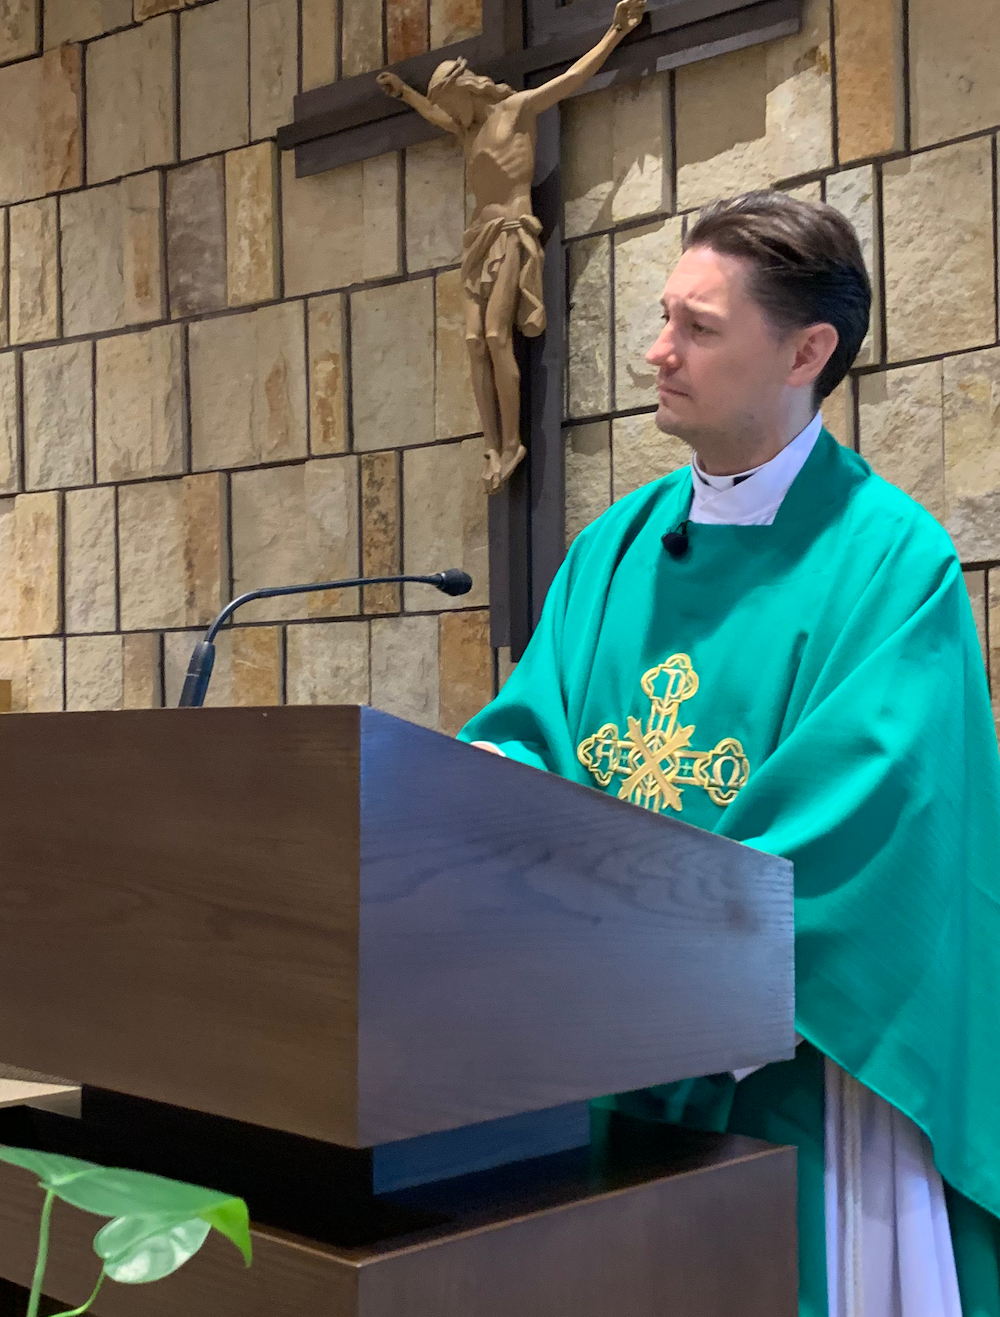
751,498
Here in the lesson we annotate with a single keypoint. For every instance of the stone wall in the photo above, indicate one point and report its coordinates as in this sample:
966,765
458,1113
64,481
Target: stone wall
215,376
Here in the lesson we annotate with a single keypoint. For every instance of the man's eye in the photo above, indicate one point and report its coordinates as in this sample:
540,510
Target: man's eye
701,329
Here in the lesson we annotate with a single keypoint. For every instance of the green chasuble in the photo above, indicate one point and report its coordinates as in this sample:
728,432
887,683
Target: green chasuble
815,689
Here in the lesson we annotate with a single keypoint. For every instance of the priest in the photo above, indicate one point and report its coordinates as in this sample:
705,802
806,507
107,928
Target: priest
775,644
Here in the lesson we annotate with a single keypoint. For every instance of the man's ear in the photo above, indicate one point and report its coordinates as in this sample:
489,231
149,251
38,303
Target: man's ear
814,346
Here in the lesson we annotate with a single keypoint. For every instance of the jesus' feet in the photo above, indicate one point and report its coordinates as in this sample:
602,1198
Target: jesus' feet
510,459
492,477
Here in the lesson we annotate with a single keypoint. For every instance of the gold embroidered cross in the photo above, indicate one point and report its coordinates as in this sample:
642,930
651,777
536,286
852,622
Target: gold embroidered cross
656,761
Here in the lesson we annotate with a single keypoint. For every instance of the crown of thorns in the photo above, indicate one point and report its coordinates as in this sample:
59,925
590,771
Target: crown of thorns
446,75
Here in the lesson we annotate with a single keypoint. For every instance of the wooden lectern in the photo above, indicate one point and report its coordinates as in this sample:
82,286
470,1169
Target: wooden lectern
368,978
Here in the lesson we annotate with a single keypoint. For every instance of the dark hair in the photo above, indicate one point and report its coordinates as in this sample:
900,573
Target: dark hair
807,267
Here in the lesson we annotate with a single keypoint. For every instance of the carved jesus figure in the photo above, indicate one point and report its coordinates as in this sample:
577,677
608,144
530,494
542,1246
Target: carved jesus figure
502,256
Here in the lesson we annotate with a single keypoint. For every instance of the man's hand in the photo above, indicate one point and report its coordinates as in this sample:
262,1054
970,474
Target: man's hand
394,86
628,15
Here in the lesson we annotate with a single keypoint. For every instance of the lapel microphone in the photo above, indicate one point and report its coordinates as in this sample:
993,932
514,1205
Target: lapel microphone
676,541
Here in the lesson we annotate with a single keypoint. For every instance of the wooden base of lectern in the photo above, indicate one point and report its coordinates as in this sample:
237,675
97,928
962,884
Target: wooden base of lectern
660,1221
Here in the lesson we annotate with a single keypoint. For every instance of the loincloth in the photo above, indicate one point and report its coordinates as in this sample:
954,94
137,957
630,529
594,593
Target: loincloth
485,251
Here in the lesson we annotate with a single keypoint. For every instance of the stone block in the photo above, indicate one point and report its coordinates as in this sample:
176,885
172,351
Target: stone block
975,584
59,416
392,365
91,603
811,192
327,663
588,475
297,523
971,392
381,528
954,52
938,225
142,671
174,569
871,110
94,673
454,20
641,453
455,410
853,193
406,29
404,668
327,320
361,37
753,117
588,348
31,571
131,93
902,431
644,258
4,283
319,42
35,669
79,20
214,54
20,29
140,404
10,418
252,224
34,271
445,521
435,204
196,237
839,411
248,388
255,666
112,269
466,668
380,201
274,64
42,97
150,8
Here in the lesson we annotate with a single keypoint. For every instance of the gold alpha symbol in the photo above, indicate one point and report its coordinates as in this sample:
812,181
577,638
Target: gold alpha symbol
656,761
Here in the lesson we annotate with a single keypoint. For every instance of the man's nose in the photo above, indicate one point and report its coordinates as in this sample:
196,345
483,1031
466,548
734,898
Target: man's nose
663,351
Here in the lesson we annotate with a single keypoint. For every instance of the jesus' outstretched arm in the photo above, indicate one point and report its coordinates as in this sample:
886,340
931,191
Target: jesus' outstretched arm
394,86
627,17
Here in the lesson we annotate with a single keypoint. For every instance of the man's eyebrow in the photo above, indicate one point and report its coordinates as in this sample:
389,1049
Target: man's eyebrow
698,309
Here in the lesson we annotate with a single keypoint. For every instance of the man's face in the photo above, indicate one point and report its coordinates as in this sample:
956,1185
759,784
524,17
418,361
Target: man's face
722,368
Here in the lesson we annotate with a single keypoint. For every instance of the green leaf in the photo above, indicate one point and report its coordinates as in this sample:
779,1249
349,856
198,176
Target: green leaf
139,1249
51,1168
233,1220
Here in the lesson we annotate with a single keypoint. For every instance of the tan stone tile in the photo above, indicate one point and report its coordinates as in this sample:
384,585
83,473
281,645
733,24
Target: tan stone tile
35,669
870,91
255,666
641,453
214,46
20,29
811,192
142,671
938,220
172,551
902,431
90,560
4,284
295,524
643,259
466,668
838,412
10,462
79,20
392,340
435,204
34,271
94,673
252,224
112,273
954,54
975,583
404,668
588,475
361,38
248,389
140,404
445,522
319,42
380,530
755,116
405,28
641,163
274,64
455,410
328,663
150,8
177,648
38,564
41,98
454,20
323,220
588,347
130,100
196,237
327,318
853,194
587,159
971,390
59,416
8,570
380,202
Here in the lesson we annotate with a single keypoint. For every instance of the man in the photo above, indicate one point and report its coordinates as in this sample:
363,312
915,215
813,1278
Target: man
810,623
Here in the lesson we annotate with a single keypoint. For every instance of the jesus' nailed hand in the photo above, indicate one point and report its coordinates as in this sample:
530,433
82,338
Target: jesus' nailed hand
502,255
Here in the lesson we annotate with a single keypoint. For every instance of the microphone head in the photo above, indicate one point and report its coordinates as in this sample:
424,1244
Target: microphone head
454,581
676,543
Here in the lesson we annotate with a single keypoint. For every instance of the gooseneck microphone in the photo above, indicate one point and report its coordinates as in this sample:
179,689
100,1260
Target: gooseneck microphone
676,541
199,673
